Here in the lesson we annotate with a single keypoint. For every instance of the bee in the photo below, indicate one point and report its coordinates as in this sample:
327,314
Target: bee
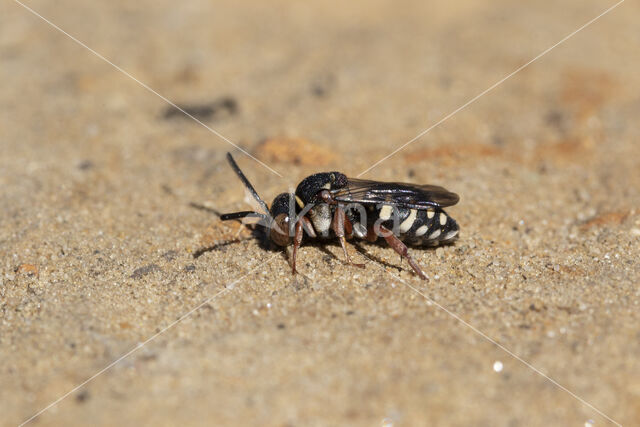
330,205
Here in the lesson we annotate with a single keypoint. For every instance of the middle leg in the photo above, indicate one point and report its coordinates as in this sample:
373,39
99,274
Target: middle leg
338,225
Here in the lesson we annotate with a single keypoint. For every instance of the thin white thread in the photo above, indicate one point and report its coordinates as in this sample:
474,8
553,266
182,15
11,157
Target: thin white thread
490,88
227,288
500,346
144,85
139,346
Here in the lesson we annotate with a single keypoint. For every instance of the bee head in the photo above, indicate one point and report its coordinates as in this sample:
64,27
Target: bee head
309,188
281,227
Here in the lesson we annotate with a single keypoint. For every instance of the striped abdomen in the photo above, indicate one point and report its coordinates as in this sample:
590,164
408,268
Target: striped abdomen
424,227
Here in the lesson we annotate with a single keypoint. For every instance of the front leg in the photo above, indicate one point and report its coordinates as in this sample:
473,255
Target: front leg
338,225
297,240
308,227
401,249
303,224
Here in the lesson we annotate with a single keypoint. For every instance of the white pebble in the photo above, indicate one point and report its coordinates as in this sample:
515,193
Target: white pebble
497,366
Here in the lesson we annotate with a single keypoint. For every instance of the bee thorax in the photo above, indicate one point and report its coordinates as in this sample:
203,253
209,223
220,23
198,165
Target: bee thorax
321,217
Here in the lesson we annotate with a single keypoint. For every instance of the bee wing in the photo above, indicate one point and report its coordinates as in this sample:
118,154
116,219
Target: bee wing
396,193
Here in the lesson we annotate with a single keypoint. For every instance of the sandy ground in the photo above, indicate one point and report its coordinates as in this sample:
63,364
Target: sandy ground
106,195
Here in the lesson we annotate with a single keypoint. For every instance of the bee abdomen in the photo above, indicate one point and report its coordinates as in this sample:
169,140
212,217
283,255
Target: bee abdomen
431,227
415,227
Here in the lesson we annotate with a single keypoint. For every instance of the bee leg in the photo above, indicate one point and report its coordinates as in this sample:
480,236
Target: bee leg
308,226
371,235
402,250
297,239
338,225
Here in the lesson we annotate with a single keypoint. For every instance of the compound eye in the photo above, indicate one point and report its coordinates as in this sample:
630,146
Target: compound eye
280,230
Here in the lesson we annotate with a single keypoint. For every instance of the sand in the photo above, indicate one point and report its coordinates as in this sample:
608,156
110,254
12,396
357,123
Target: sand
108,234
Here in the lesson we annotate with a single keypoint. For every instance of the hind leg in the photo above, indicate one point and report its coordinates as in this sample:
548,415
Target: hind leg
338,225
402,250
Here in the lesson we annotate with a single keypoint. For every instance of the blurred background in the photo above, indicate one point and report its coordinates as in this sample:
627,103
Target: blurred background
107,192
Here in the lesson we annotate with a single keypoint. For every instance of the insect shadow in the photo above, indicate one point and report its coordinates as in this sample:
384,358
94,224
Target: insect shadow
257,233
260,235
363,251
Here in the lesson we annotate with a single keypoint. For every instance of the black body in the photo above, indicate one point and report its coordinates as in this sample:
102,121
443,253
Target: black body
331,205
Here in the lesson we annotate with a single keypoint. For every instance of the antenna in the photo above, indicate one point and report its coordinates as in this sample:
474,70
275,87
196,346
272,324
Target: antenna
247,184
243,214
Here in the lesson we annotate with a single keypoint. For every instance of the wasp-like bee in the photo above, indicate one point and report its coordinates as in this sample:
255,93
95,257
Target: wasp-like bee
330,205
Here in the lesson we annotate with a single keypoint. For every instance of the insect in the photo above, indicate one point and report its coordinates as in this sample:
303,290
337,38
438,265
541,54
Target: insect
330,205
